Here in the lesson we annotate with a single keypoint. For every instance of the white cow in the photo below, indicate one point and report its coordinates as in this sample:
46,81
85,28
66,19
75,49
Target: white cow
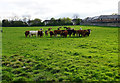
33,33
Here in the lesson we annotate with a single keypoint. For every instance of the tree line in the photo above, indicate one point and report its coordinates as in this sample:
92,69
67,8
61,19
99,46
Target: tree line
39,22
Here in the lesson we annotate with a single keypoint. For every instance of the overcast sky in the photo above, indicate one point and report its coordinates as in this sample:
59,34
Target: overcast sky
45,9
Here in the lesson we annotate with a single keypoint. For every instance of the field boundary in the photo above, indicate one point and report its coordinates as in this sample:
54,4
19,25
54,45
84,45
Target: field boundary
119,50
0,55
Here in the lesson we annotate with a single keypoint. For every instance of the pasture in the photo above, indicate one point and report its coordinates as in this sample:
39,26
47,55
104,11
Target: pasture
93,58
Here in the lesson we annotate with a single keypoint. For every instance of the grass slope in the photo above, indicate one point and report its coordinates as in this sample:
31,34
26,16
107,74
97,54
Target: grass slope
93,58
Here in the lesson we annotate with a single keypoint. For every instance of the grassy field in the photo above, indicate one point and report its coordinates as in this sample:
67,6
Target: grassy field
93,58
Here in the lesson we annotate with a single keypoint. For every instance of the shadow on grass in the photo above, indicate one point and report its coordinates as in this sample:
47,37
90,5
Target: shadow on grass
34,37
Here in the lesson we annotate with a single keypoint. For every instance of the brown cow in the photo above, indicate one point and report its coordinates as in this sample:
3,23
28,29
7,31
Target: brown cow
40,33
64,33
79,32
87,32
51,33
49,29
57,32
71,31
83,32
26,33
46,32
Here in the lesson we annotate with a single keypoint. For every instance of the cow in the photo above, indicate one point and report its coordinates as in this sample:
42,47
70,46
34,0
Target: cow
74,32
71,31
37,33
83,32
51,33
57,32
41,29
46,32
65,27
27,33
80,32
49,29
64,33
40,33
87,32
59,28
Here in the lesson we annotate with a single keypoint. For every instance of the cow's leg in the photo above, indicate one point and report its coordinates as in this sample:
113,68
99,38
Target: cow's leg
74,34
36,34
69,35
60,35
25,35
29,35
65,35
88,34
55,35
82,34
77,34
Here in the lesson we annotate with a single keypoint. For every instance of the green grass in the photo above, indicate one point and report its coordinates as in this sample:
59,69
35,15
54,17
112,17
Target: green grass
93,58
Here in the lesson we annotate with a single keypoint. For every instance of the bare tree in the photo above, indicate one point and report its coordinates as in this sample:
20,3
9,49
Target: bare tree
75,16
26,18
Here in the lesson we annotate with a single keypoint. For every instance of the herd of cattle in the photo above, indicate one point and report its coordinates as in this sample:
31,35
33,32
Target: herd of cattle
63,33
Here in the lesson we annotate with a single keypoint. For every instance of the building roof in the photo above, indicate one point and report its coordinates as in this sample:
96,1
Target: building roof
109,16
96,17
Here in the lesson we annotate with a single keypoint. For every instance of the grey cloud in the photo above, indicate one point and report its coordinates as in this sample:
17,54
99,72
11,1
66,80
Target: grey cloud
58,8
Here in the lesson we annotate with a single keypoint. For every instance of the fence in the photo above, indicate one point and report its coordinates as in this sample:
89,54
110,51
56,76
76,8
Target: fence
102,24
